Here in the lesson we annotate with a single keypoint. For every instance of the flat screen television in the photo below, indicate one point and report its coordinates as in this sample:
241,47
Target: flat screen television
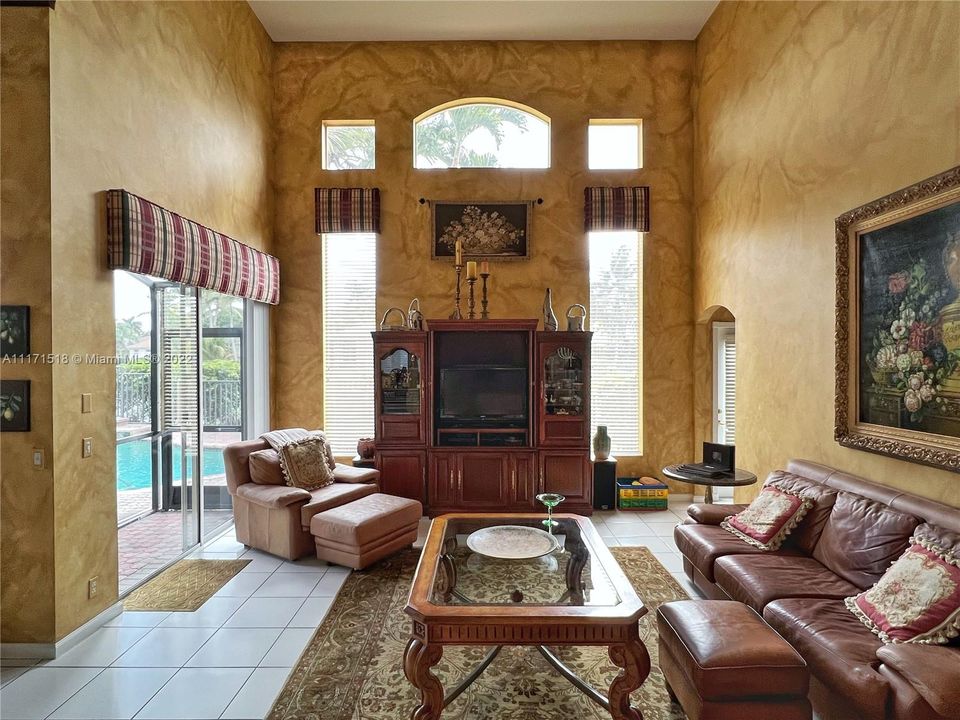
483,395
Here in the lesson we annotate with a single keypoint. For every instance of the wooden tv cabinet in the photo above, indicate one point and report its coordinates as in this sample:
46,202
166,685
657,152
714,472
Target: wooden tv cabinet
452,467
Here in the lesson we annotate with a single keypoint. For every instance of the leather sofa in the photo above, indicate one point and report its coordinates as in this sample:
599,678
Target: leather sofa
276,518
854,531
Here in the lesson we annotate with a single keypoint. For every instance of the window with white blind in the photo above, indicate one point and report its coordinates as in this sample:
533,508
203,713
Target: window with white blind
725,383
616,305
349,315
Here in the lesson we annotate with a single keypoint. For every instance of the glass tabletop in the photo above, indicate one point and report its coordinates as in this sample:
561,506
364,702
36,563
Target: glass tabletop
568,575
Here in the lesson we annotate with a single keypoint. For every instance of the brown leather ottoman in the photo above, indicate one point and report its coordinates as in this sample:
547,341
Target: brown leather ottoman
721,661
361,532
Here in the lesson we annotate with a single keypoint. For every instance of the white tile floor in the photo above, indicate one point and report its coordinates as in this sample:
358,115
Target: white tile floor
239,647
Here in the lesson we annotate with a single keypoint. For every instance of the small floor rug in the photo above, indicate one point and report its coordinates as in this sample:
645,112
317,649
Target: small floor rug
352,669
184,586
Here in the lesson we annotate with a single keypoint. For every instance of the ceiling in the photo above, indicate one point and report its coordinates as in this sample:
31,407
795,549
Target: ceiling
386,20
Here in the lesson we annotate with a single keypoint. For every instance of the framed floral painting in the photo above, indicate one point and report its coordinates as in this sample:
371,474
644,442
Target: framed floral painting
898,324
494,230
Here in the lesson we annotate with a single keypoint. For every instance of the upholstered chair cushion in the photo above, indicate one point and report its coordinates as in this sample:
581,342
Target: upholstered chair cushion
265,468
862,538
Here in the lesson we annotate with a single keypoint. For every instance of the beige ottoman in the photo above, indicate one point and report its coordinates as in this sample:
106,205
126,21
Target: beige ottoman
363,531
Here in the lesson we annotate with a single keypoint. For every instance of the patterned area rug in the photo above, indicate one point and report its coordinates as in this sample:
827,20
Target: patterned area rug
184,586
353,667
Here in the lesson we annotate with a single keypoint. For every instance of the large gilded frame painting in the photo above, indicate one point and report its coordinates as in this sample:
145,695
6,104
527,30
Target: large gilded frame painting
898,324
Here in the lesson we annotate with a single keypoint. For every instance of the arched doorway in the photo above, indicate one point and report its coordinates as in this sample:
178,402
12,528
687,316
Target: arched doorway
715,357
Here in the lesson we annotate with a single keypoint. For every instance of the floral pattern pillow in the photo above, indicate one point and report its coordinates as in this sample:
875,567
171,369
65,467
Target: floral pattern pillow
304,463
918,598
769,519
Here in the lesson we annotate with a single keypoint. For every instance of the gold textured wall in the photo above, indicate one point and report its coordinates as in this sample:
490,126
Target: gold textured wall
571,82
804,111
26,496
171,101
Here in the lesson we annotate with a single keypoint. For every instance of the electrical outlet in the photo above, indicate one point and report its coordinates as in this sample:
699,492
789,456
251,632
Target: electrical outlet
86,402
38,460
92,587
87,447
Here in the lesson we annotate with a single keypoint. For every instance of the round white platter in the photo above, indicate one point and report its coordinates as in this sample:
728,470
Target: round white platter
512,542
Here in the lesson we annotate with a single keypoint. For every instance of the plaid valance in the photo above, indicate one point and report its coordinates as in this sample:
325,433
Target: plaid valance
616,208
148,239
348,210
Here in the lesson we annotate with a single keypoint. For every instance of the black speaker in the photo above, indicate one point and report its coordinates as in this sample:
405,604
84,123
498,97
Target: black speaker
605,484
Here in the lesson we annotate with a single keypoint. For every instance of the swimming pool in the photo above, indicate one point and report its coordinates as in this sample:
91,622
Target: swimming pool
134,464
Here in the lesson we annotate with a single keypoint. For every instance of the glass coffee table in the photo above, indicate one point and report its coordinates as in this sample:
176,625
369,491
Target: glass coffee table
573,594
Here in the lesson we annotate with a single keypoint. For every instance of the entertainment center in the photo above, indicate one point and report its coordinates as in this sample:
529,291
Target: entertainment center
483,415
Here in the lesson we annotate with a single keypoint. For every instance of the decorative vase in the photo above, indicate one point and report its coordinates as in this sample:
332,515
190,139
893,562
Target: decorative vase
601,443
366,448
549,319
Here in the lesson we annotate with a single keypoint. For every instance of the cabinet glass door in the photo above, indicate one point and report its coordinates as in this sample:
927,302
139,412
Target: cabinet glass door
400,383
563,383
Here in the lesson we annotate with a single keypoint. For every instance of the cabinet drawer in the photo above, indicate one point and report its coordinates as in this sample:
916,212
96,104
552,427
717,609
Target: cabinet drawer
401,429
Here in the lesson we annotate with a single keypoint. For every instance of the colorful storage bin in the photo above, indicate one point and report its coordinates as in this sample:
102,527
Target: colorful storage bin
649,494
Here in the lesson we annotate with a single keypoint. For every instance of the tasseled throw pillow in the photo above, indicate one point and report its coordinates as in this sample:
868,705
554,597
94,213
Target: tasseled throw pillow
304,463
769,519
918,598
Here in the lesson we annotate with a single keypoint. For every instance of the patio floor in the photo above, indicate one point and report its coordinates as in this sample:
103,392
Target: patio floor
147,544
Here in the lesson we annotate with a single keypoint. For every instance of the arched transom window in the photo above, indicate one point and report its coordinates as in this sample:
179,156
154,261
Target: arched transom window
481,133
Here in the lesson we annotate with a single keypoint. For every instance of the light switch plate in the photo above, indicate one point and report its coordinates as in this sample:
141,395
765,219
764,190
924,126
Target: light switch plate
86,402
87,447
38,459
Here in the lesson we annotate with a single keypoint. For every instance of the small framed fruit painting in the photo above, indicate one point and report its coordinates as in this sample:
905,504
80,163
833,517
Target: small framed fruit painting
14,405
14,330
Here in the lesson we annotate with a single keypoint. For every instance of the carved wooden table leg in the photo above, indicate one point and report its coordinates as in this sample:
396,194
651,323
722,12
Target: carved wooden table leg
449,569
634,660
417,661
574,576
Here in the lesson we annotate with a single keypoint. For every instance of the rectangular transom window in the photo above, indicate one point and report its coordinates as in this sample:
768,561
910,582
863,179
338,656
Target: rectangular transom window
616,309
348,145
349,316
615,144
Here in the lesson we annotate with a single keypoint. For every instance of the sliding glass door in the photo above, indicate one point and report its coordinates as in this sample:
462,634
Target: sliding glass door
222,365
179,369
158,427
190,381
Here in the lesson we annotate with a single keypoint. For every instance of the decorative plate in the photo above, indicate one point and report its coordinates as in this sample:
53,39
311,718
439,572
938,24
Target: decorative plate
512,542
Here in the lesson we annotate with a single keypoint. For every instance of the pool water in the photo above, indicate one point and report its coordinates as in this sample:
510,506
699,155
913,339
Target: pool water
134,464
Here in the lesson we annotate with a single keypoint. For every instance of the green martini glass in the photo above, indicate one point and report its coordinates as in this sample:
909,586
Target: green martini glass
551,500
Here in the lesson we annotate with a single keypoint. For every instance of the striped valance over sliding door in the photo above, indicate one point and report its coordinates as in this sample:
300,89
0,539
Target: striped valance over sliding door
148,239
348,210
616,208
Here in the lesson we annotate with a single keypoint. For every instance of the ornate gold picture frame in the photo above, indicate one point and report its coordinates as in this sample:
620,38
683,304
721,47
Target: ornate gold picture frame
898,324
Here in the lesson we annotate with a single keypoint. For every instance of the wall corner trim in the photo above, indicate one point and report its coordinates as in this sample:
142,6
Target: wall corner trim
49,651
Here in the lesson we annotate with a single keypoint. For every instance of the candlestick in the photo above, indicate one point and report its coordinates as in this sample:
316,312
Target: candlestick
458,253
471,281
483,297
455,315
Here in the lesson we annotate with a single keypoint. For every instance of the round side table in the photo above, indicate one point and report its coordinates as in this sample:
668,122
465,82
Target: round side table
737,479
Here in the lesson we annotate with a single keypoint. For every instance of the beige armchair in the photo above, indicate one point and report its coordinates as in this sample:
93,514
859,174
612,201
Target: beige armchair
276,518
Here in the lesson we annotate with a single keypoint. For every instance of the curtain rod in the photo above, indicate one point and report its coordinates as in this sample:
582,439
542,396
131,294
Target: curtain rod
538,201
